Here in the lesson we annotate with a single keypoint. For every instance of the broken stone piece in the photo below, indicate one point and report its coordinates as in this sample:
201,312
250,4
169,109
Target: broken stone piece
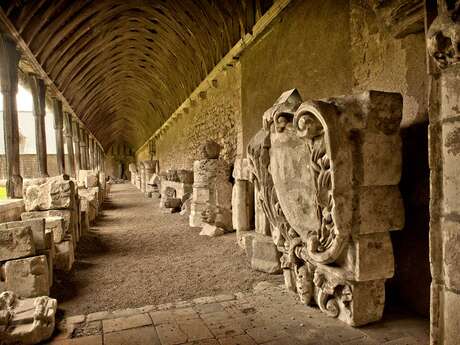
54,194
16,243
28,277
211,230
56,226
26,321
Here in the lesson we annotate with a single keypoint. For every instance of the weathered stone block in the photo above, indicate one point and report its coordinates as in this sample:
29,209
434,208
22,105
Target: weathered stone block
241,171
241,209
374,257
56,226
381,209
379,167
28,277
26,321
16,243
451,251
265,256
64,257
54,194
451,320
451,166
36,225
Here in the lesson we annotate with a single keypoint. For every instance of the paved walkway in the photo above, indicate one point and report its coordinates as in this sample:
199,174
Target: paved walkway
268,315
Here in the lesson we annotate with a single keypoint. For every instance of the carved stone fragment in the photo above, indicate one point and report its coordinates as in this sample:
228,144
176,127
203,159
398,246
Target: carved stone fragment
53,194
326,175
16,242
26,321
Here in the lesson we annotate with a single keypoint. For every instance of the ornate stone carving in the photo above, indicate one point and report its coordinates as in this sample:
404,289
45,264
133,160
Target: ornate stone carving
320,169
26,321
443,38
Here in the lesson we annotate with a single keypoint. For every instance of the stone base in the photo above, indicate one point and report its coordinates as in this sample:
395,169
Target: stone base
262,252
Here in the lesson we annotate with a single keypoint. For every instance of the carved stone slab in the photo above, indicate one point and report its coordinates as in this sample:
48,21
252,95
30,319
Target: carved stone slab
326,176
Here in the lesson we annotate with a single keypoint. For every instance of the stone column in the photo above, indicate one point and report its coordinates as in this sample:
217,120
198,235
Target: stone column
242,199
83,149
91,153
444,160
76,141
9,60
38,90
69,142
58,124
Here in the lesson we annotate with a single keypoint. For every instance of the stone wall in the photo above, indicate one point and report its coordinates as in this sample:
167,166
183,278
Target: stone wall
214,116
322,61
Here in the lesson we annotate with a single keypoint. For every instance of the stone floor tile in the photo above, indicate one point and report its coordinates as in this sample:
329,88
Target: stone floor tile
219,316
122,323
76,319
209,308
134,336
184,314
91,340
383,333
226,329
162,316
194,329
101,315
170,334
242,339
363,341
225,298
284,341
265,334
342,332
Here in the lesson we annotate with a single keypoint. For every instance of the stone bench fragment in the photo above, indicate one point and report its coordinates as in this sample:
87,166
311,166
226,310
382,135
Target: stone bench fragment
54,194
26,321
55,225
27,277
16,243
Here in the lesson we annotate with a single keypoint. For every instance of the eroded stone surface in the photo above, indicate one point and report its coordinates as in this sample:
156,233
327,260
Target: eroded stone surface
53,194
16,242
28,277
26,321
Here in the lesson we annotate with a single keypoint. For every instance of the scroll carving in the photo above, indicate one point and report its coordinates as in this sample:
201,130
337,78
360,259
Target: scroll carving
308,163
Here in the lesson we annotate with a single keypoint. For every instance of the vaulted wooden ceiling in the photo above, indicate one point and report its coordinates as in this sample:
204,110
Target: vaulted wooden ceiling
126,65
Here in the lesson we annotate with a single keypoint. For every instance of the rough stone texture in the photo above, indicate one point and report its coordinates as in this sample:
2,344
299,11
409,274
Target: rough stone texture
64,257
26,321
211,118
57,228
28,277
56,193
36,225
264,255
11,209
16,242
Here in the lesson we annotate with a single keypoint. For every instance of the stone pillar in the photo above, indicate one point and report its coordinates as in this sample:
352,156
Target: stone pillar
76,141
242,199
83,149
69,142
91,153
9,60
58,124
444,160
38,90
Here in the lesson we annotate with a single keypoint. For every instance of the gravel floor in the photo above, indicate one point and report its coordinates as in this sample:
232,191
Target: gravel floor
136,255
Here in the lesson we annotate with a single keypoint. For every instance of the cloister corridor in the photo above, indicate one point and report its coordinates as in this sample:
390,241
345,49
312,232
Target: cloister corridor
144,277
136,255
